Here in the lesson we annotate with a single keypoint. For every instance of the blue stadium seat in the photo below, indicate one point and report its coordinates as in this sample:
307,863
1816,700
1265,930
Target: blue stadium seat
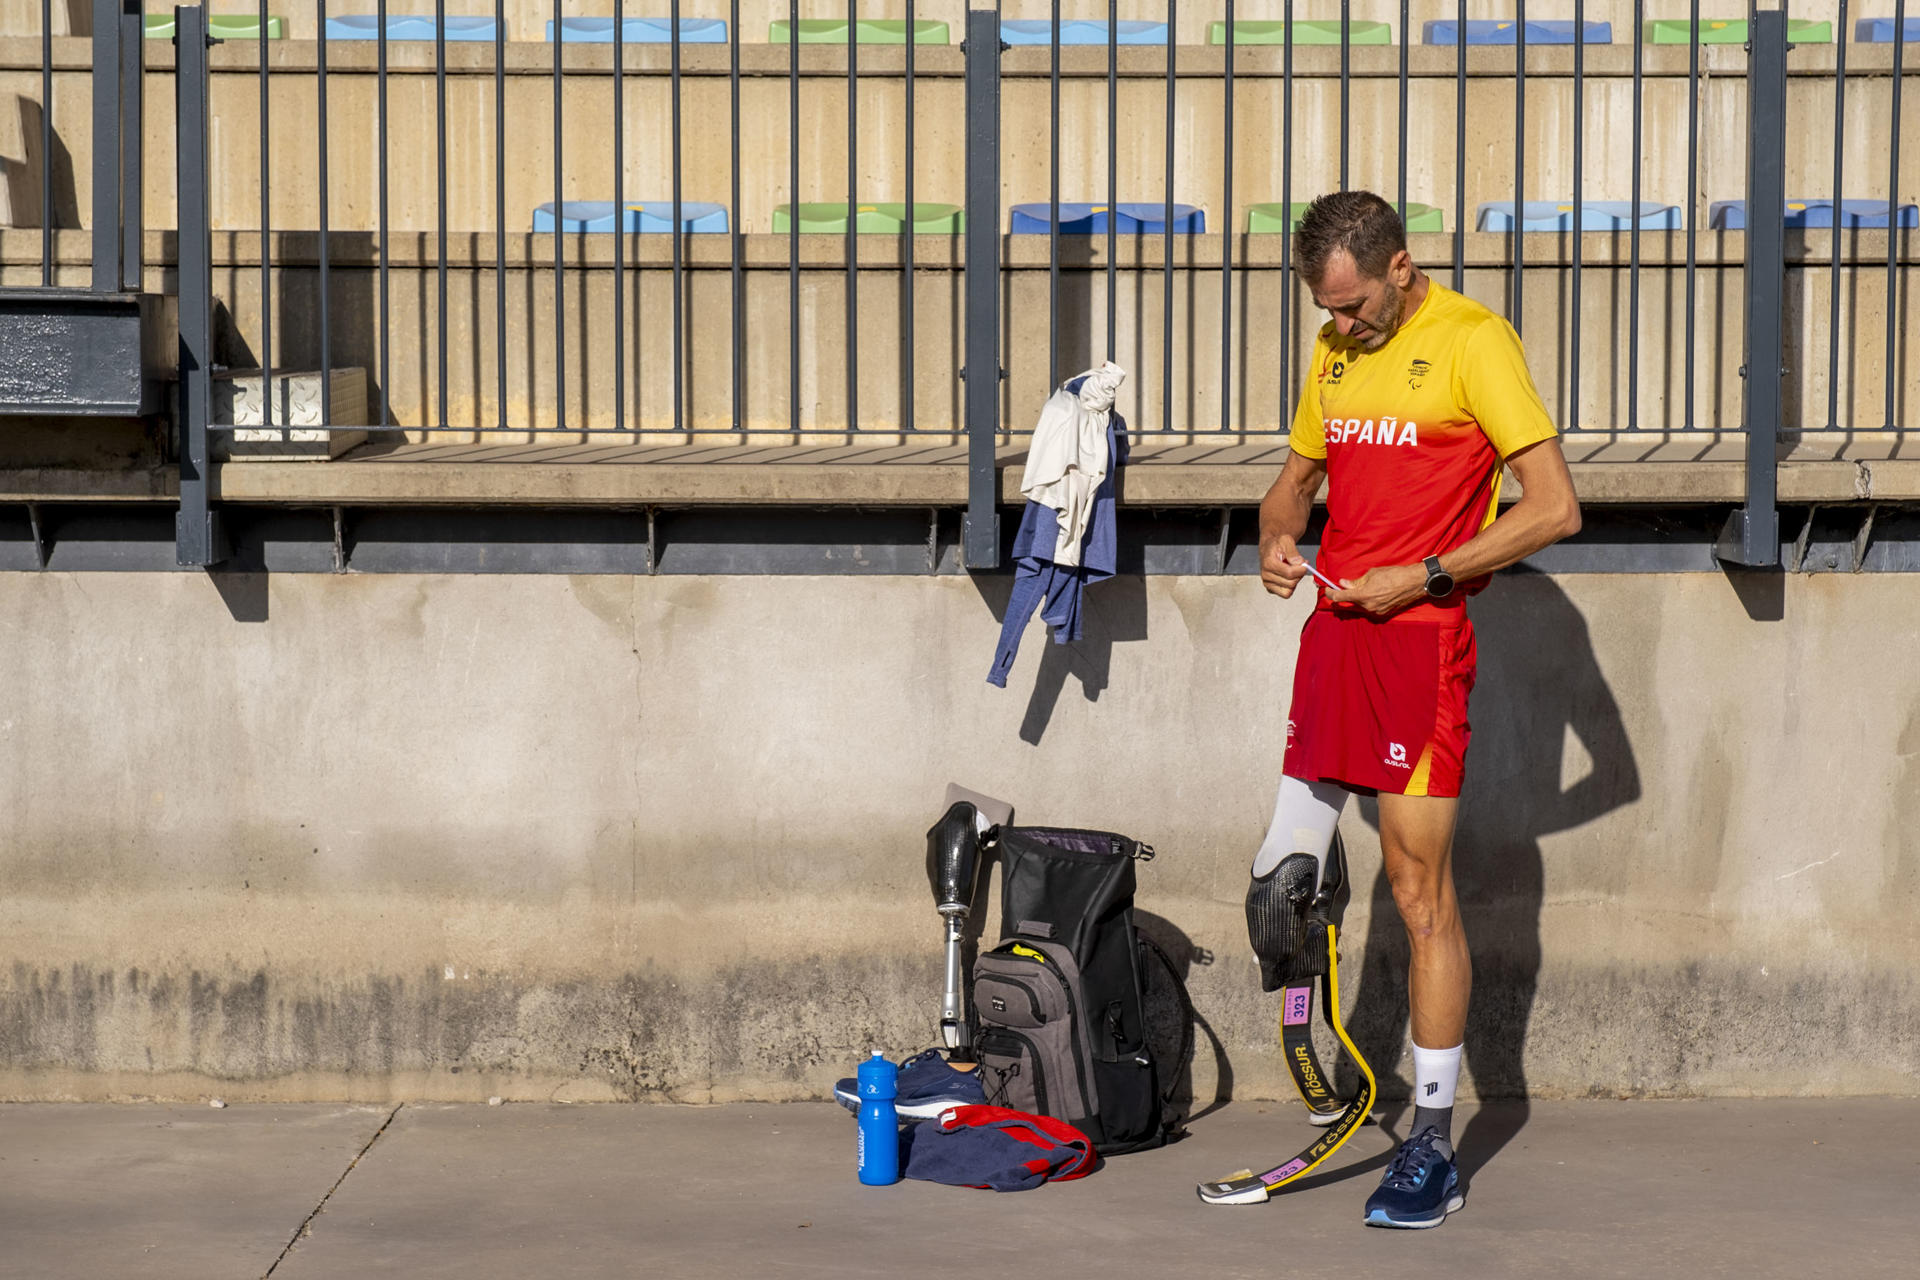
1491,31
640,30
1080,31
1081,218
1880,31
649,215
1731,215
1595,215
405,26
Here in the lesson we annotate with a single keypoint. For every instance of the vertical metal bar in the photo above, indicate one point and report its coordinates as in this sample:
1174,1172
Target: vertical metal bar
1833,277
266,229
133,65
793,209
500,208
1053,204
559,237
1459,149
1579,203
735,231
906,406
679,240
1752,534
1346,83
853,220
1406,39
380,134
1633,236
620,207
1893,214
326,257
1693,198
440,201
197,535
980,530
1166,274
1286,204
1113,172
106,146
46,142
1226,243
1518,294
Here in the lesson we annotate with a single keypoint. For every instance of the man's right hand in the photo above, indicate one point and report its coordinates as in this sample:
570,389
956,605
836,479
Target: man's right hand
1281,565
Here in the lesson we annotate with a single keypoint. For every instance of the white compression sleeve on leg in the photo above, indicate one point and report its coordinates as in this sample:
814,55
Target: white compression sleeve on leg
1304,817
1436,1073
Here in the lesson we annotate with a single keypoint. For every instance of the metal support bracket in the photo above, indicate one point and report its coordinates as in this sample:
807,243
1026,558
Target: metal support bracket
198,537
980,530
1752,534
38,532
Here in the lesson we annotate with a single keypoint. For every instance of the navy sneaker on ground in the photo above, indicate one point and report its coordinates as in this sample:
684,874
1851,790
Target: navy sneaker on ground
926,1087
1421,1186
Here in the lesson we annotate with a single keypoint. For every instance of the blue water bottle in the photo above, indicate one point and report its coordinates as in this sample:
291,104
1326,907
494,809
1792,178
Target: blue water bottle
879,1124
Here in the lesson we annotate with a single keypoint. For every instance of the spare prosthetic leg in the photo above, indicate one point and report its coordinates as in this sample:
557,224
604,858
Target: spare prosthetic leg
1293,913
953,870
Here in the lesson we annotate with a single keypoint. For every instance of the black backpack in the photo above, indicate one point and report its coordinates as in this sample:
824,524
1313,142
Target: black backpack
1062,1026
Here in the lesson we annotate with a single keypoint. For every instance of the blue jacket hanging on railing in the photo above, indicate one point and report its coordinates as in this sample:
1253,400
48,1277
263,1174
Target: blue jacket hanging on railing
1038,571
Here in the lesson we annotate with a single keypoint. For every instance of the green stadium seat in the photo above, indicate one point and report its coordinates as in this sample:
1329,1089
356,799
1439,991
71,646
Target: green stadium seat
221,26
866,31
1275,216
1733,31
880,218
1319,31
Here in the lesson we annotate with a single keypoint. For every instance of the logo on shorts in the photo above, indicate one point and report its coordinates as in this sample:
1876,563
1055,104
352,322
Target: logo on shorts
1397,756
1289,731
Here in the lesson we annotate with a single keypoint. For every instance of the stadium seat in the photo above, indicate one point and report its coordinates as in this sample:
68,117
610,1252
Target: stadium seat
866,31
221,26
651,215
1595,215
1283,217
1019,31
1320,31
1081,218
1489,31
1880,31
1731,215
1733,31
640,31
881,218
406,26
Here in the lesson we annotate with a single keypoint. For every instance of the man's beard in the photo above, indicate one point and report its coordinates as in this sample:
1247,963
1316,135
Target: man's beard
1388,323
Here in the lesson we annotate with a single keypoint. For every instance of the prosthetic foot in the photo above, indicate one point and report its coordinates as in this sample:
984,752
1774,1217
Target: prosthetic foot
1293,913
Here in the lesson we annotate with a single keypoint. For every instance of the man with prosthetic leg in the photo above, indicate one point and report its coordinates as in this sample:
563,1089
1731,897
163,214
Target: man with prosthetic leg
1416,400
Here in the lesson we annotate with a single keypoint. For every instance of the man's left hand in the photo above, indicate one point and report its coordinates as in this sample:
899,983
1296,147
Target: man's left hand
1385,590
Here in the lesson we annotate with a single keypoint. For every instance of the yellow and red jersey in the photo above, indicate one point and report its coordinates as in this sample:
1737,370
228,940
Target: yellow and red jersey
1414,436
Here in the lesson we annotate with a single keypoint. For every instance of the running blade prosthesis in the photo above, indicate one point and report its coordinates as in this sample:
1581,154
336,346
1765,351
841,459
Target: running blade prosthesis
1293,926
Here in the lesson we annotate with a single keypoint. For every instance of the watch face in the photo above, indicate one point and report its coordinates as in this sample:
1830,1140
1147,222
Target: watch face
1440,584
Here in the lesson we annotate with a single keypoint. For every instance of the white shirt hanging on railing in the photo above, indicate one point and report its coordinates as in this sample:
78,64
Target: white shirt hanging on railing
1068,457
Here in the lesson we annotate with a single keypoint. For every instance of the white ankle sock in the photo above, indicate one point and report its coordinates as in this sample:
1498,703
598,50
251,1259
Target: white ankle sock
1436,1072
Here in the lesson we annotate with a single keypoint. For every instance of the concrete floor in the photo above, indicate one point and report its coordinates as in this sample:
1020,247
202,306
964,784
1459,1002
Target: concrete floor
1631,1189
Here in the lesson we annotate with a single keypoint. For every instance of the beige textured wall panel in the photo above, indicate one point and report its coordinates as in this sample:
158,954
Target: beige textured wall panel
661,838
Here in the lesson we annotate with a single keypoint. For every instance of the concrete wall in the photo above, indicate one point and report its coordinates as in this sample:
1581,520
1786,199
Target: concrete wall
661,838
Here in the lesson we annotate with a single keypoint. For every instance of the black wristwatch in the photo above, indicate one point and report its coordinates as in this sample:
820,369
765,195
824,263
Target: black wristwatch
1439,581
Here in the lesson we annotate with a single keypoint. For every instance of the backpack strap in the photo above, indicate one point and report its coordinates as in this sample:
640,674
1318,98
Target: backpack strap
1183,1059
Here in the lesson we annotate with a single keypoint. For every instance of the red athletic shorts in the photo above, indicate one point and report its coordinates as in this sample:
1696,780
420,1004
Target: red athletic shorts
1382,706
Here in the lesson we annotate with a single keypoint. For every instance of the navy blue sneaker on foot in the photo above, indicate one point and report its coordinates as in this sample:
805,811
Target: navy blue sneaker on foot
1421,1186
927,1086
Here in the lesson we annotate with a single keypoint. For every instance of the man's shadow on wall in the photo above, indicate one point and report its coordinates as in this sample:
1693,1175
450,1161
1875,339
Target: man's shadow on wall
1538,680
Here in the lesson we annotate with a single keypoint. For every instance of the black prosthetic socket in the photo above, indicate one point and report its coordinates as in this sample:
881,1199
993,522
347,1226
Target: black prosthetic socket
1288,910
953,858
